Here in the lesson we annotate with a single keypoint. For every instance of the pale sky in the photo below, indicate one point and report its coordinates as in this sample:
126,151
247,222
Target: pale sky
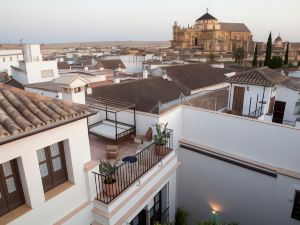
56,21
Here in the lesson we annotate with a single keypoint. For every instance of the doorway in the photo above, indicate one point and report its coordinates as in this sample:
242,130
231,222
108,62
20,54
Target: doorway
196,41
278,112
238,100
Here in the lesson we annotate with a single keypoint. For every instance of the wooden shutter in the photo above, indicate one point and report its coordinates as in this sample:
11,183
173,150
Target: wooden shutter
271,104
58,163
45,169
238,100
11,188
52,166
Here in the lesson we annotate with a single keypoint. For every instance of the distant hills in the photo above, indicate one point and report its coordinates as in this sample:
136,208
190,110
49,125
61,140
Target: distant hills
131,44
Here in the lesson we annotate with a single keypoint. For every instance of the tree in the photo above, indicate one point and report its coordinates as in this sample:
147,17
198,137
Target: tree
276,62
268,51
254,62
212,57
181,217
239,55
286,57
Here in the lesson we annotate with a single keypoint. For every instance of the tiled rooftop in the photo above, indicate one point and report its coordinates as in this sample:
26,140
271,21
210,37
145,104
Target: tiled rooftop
22,112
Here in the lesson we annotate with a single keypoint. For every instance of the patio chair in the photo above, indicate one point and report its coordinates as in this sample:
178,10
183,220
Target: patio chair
111,151
147,137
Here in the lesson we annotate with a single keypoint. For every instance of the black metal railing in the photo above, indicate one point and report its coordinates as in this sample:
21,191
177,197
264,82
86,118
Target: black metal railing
110,186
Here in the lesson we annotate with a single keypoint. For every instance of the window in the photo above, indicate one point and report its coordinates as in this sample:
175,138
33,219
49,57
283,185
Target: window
3,59
11,193
52,166
11,59
78,89
160,210
47,73
296,208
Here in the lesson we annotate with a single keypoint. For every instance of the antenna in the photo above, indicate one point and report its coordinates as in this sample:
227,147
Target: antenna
21,40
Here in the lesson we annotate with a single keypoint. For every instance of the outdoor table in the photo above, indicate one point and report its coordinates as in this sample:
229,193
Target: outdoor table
131,160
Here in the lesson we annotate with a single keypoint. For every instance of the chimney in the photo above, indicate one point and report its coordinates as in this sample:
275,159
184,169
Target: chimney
145,74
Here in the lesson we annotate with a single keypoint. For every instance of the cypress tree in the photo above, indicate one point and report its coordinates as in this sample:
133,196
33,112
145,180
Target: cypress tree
286,57
254,62
268,51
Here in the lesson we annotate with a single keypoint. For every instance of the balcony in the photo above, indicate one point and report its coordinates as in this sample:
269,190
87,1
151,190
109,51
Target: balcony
124,175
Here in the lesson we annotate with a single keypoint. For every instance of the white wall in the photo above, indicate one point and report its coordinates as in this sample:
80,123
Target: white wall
237,194
77,154
174,118
252,93
57,95
265,142
33,70
10,58
143,120
78,97
133,63
290,97
19,75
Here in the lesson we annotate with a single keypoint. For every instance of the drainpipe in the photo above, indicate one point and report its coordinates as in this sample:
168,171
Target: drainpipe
263,98
229,96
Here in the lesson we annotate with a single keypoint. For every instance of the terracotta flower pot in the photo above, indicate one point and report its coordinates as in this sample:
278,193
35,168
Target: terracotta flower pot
110,189
160,150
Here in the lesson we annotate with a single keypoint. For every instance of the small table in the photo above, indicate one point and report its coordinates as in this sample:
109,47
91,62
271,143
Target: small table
129,159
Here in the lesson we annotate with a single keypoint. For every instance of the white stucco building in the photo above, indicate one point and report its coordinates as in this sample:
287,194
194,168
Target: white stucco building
265,94
8,58
241,169
33,69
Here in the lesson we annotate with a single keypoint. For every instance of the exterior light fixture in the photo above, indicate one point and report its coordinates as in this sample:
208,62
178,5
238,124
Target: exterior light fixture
214,216
248,88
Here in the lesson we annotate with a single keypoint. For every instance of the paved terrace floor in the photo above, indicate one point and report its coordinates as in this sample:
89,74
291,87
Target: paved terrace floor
125,148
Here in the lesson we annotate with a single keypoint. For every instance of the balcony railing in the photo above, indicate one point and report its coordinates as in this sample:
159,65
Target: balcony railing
128,173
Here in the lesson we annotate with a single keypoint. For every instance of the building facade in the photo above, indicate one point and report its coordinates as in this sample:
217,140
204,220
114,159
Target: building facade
210,35
8,58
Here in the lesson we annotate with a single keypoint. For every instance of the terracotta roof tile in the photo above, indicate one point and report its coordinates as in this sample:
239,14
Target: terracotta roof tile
23,112
264,77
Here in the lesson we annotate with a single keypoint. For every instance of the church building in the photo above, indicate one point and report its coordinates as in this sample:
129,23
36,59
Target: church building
210,35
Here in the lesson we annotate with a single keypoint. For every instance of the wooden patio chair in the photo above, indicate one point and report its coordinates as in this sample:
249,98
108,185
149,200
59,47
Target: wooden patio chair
111,151
146,137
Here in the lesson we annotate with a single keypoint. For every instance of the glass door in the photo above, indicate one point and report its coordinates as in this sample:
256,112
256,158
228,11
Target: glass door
140,219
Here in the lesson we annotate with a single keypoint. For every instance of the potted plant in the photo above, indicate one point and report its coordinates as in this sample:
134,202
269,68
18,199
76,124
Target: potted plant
109,183
160,139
